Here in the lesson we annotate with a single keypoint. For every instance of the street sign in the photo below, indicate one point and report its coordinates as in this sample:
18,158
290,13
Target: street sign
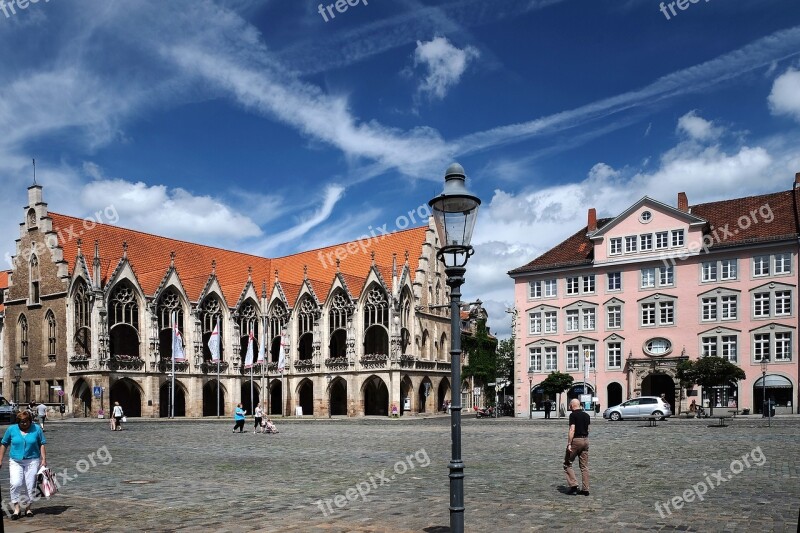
60,392
56,387
98,391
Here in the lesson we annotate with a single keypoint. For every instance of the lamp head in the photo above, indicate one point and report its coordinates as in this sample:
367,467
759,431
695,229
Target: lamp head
454,214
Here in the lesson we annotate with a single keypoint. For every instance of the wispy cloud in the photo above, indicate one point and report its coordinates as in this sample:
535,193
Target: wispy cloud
444,65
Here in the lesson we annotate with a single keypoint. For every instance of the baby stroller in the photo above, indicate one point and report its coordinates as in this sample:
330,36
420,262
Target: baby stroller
268,427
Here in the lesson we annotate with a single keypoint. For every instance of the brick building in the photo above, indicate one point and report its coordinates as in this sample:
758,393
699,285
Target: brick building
638,293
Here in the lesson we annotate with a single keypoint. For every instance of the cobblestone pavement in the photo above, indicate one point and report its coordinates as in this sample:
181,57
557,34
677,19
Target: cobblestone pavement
197,476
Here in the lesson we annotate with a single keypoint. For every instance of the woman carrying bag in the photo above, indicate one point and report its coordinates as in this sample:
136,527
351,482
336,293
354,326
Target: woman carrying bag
118,416
26,442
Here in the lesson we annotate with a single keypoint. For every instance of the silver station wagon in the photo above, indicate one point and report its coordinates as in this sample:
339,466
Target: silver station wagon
642,407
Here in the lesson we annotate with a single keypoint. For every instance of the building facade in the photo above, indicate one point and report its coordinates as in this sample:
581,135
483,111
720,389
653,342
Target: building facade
91,308
633,296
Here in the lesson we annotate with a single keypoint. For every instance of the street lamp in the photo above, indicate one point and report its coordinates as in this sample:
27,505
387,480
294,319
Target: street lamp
329,378
17,376
764,403
530,397
454,214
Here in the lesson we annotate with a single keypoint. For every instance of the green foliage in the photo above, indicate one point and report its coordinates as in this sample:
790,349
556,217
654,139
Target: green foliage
482,353
709,371
556,383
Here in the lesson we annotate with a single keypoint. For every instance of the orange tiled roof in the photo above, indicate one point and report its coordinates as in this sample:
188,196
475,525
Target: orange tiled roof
149,256
3,286
578,249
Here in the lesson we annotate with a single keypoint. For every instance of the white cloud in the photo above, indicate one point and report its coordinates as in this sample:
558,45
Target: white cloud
785,96
698,128
444,64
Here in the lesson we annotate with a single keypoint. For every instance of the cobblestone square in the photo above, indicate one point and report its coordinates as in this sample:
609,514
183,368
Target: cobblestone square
197,476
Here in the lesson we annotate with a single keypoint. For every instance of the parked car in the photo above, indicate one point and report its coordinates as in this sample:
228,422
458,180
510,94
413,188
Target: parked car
8,411
642,407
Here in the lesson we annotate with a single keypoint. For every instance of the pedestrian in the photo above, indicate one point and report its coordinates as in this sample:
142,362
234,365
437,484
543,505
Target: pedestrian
258,414
117,415
238,417
25,441
577,446
41,410
548,406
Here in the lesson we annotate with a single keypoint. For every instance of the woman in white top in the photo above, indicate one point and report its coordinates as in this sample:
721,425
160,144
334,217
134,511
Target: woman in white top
117,414
258,415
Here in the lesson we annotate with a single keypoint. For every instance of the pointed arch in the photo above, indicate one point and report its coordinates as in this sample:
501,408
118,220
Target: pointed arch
123,320
212,315
305,396
444,351
308,311
340,316
278,318
50,336
376,320
82,318
22,339
34,277
169,308
376,397
424,348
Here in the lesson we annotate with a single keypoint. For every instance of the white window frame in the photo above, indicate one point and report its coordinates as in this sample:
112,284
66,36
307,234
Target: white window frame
645,242
535,359
761,266
708,271
572,285
615,246
618,277
550,358
588,284
570,316
551,321
550,288
588,319
614,349
534,290
650,277
631,244
650,315
731,266
614,311
784,260
573,355
677,238
662,240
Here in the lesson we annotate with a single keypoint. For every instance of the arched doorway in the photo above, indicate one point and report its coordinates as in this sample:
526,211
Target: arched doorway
163,399
338,397
778,390
658,384
305,393
406,391
576,390
276,398
423,393
376,340
126,392
443,394
537,398
376,397
614,394
213,396
82,398
247,405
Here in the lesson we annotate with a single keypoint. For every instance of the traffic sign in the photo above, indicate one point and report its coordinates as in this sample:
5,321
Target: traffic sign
60,392
98,391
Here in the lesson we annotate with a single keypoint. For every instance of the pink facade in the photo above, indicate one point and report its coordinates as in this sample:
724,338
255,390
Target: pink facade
655,285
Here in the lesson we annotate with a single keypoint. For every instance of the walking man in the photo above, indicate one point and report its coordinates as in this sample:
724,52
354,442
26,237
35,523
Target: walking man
577,446
41,410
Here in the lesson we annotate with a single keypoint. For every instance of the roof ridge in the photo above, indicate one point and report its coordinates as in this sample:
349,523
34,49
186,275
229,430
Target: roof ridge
741,198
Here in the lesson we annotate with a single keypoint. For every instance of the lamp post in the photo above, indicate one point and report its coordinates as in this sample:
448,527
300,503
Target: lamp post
764,404
329,378
530,397
454,214
586,361
17,376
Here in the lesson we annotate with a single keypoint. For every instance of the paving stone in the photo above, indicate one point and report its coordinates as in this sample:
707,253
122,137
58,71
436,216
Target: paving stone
197,476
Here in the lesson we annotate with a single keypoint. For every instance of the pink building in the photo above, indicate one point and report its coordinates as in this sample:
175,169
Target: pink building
655,285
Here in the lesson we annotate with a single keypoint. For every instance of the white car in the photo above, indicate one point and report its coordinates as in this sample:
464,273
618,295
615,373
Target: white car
642,407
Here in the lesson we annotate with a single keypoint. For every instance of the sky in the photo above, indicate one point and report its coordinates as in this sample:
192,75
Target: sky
276,126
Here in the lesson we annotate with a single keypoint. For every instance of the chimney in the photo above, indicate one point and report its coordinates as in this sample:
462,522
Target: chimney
797,180
683,202
592,224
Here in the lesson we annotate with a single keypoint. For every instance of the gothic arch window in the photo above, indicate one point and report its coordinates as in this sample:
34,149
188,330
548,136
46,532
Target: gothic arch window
123,313
444,351
33,293
31,218
211,317
305,342
248,323
82,304
340,314
425,342
169,308
405,321
278,317
50,323
22,338
376,322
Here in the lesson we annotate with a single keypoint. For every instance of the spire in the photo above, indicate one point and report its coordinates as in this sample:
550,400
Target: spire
337,265
124,249
79,242
264,288
406,257
34,171
305,272
372,255
96,264
249,273
172,259
213,267
276,275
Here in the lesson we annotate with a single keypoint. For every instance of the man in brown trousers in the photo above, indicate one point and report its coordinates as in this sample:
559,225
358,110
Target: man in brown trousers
577,446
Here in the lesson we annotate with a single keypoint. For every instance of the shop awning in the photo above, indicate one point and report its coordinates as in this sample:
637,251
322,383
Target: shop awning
776,382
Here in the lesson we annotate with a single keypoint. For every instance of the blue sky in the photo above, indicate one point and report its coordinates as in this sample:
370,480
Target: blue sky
260,126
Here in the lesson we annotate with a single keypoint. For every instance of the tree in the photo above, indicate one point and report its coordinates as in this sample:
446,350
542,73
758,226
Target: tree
504,361
556,383
480,348
708,372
